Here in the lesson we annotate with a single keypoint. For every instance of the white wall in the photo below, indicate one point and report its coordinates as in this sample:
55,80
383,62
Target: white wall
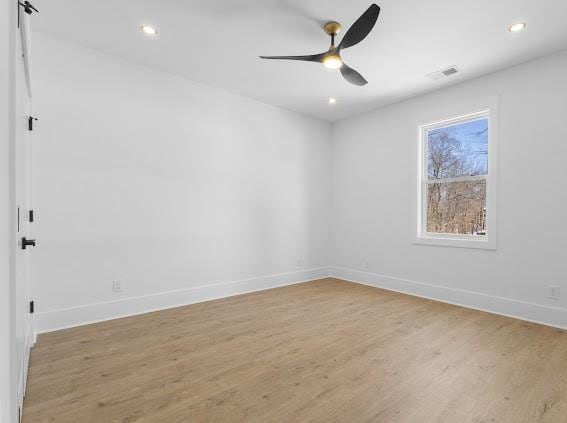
175,188
167,186
372,198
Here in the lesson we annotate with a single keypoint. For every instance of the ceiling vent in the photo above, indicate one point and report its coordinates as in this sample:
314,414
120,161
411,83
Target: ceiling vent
443,74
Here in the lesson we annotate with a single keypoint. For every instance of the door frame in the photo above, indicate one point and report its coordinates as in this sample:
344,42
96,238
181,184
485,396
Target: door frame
8,376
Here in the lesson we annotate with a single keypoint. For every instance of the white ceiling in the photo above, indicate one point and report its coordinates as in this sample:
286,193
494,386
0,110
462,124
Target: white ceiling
217,42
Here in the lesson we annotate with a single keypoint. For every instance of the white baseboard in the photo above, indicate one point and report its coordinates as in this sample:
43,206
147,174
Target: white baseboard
49,321
91,313
536,313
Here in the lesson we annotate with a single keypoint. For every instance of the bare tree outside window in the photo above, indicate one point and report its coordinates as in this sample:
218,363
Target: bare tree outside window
456,160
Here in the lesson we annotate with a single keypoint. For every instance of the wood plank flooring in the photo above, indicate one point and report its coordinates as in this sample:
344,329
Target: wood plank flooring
323,351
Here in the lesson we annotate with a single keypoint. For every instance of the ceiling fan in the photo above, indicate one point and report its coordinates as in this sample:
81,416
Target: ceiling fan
332,57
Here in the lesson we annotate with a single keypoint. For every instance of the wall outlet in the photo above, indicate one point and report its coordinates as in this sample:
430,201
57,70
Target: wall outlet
366,266
299,263
116,286
553,292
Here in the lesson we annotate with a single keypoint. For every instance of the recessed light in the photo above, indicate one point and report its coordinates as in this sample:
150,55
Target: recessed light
517,27
148,30
332,100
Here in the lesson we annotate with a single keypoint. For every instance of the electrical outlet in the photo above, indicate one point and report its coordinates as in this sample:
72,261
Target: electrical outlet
553,292
116,286
366,266
299,263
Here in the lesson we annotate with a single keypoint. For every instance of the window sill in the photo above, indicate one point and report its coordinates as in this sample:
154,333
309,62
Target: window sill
440,241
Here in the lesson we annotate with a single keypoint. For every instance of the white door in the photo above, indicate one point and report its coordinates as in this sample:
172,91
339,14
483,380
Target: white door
24,331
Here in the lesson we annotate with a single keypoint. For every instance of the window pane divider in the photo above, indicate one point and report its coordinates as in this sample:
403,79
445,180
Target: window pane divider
457,179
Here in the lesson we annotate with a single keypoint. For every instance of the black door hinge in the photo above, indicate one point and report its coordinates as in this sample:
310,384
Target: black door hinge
31,216
30,122
28,7
32,307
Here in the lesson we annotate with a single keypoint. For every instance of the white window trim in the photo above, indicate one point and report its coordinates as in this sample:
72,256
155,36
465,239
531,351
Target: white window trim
488,109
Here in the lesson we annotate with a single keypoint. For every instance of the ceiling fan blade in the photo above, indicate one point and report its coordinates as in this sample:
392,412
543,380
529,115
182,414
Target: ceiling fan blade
361,28
352,76
310,58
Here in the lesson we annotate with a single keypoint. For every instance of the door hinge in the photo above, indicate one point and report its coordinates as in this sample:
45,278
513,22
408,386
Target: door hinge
30,122
31,216
32,307
28,7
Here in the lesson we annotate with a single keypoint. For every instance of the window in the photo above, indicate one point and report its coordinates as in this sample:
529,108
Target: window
454,182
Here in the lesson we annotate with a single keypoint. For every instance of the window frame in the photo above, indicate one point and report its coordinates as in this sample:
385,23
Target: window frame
421,236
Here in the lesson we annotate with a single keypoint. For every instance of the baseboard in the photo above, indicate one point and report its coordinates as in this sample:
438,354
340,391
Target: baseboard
536,313
49,321
92,313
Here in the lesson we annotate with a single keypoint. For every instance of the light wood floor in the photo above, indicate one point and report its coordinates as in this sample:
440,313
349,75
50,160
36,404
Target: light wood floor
324,351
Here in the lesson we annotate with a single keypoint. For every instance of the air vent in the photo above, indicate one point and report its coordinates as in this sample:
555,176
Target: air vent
450,71
443,74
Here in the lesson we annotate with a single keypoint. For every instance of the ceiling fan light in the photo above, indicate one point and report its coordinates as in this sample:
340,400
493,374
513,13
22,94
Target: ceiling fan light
332,61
